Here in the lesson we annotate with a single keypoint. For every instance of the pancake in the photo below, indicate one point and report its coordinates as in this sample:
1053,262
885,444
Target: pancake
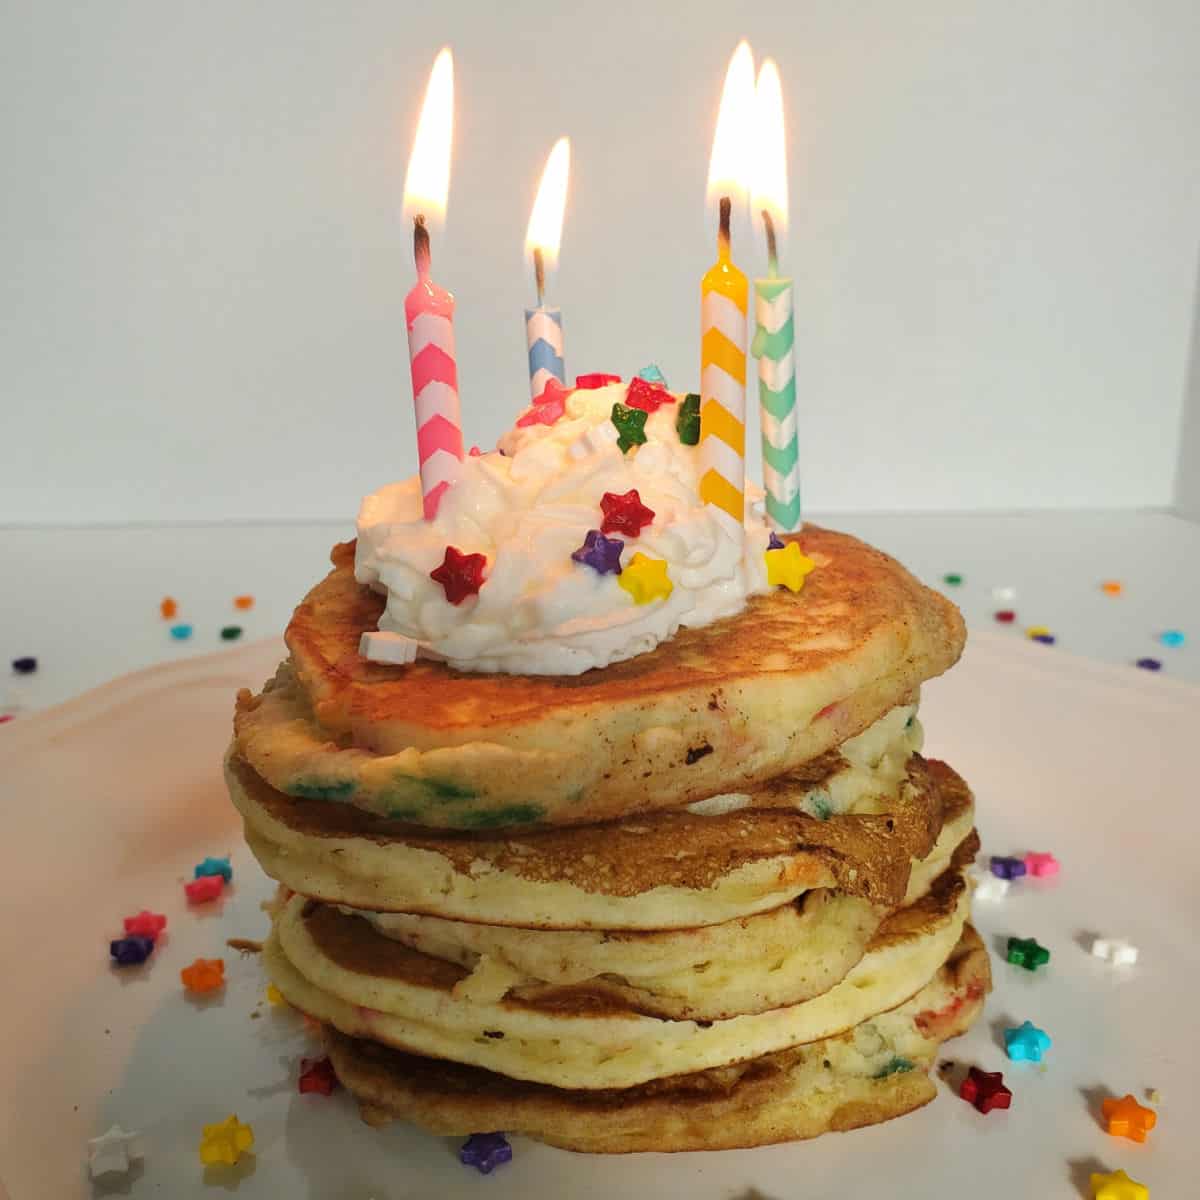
782,957
662,870
339,969
716,709
872,1073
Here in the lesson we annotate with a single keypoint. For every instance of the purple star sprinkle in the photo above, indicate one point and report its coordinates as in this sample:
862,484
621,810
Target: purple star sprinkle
1149,664
1047,639
774,543
1008,868
602,554
129,951
485,1152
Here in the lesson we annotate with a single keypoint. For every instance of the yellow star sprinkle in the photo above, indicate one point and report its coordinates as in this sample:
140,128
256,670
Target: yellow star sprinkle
1118,1186
225,1142
645,579
788,567
274,996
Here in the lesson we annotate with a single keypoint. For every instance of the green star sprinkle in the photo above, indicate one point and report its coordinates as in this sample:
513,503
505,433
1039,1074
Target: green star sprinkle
687,423
631,425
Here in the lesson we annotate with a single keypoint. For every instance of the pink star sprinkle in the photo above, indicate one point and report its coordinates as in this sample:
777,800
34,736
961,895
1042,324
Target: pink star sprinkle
1041,865
548,408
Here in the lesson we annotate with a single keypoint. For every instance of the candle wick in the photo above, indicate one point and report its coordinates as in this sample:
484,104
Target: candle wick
539,274
723,230
421,254
772,251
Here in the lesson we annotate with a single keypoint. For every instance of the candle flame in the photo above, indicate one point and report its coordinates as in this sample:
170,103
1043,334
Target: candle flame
546,220
427,182
729,166
769,184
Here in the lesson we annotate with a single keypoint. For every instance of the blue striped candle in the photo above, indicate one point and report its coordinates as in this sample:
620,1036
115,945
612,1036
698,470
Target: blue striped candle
544,337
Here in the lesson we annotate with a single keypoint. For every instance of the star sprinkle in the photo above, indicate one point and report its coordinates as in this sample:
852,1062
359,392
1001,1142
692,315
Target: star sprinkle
687,422
774,541
985,1090
461,575
548,408
204,975
1008,868
1041,866
1004,593
168,606
1127,1118
275,997
952,580
230,633
596,439
597,379
1112,587
1026,1043
130,951
649,397
1172,637
206,888
214,866
114,1152
630,424
181,633
26,665
317,1075
1006,616
1025,952
652,374
600,553
146,924
787,567
625,513
224,1143
990,888
1115,951
1118,1186
1149,664
645,579
485,1152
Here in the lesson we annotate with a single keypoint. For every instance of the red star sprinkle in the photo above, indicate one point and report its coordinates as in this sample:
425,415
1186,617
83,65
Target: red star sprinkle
317,1075
624,514
548,407
146,924
649,397
597,379
985,1090
461,575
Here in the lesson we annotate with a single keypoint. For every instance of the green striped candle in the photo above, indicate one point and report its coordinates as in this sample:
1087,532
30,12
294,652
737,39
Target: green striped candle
774,336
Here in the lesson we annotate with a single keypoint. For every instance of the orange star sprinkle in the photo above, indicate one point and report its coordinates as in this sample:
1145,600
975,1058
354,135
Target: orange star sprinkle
1112,587
204,975
1127,1118
168,607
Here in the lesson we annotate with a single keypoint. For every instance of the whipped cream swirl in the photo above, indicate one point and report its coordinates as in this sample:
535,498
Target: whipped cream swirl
527,509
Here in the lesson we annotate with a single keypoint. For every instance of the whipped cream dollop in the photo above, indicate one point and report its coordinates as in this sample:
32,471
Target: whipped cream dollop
527,507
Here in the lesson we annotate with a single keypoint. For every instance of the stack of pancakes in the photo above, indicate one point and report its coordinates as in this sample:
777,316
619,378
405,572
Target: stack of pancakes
710,896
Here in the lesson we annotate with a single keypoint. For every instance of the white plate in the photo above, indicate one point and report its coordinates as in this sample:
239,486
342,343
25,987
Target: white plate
110,799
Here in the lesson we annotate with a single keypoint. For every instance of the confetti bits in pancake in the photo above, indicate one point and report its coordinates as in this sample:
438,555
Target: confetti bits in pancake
225,1142
1114,950
985,1090
624,513
204,975
1025,952
1128,1119
645,579
485,1152
204,889
788,567
214,866
1026,1043
1117,1186
461,575
317,1075
131,951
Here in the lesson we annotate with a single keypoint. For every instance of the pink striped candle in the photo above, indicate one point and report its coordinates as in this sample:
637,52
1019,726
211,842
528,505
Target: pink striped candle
429,314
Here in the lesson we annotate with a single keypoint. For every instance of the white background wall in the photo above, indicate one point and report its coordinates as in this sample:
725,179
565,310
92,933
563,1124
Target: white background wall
996,219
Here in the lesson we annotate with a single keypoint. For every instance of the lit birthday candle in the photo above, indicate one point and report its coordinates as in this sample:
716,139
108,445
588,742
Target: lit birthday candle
723,299
429,309
543,326
774,334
